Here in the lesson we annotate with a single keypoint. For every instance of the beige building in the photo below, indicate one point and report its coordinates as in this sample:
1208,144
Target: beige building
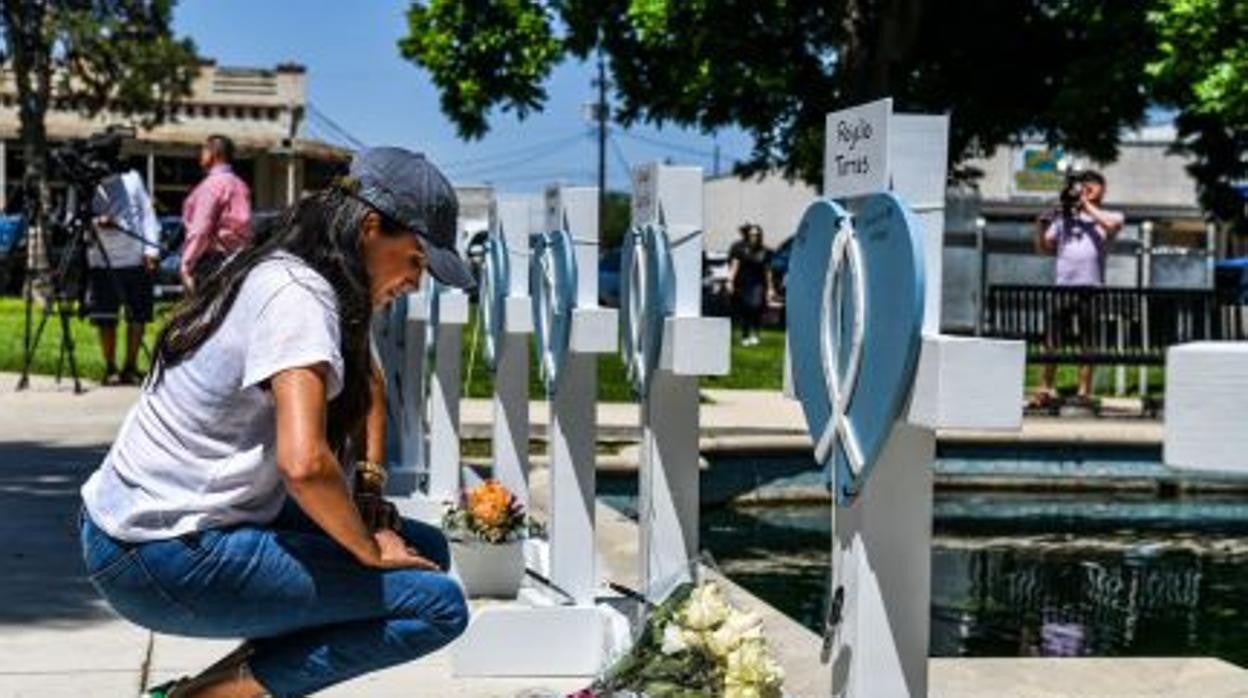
772,202
261,109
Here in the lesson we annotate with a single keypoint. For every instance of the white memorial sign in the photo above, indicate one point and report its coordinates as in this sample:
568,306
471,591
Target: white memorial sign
856,150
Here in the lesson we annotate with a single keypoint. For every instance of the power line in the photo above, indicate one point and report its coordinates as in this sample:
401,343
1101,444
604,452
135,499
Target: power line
320,115
505,154
334,127
619,154
520,161
552,175
678,147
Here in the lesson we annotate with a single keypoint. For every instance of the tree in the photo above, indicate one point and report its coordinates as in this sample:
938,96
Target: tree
1201,69
1070,70
94,56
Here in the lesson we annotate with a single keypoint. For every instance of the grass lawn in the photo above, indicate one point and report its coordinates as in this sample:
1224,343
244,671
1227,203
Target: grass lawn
758,368
86,341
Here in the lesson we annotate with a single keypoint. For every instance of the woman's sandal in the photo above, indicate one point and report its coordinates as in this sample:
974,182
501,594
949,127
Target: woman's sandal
233,663
168,689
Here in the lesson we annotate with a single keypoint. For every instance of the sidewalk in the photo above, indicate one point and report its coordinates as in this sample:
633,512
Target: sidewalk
58,639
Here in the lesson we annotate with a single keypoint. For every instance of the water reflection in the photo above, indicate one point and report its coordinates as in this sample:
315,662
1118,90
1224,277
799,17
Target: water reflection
1019,601
1014,592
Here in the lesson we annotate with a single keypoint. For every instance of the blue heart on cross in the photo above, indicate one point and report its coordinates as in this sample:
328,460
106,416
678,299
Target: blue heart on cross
855,318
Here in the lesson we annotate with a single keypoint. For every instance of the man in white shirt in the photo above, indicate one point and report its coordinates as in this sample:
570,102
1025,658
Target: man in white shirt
121,261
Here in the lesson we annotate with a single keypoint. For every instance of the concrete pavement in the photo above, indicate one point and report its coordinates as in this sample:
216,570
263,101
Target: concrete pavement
58,639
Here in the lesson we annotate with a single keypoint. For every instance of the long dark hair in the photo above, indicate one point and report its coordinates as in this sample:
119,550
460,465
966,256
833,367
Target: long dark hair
323,230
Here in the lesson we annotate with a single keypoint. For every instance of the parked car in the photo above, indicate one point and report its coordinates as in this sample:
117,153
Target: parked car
168,282
609,278
12,252
173,234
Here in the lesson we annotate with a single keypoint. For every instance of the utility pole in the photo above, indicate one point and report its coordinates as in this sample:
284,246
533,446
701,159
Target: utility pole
601,113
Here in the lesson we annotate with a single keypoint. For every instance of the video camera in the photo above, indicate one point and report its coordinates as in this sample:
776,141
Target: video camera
1071,194
87,161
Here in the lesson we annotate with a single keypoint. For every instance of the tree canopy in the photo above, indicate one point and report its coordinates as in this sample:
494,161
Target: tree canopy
1066,69
94,56
1201,69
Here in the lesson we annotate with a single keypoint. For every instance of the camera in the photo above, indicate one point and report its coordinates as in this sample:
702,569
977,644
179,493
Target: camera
87,161
1071,194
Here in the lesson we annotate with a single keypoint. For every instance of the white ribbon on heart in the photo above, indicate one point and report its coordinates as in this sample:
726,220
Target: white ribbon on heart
846,259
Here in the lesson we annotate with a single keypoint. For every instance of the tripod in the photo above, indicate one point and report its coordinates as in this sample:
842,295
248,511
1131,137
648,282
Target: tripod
58,301
66,282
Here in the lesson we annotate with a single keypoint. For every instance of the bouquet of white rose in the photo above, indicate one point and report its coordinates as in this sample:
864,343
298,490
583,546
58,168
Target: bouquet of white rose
694,645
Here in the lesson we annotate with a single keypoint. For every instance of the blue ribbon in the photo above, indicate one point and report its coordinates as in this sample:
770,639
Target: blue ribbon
552,287
647,298
492,297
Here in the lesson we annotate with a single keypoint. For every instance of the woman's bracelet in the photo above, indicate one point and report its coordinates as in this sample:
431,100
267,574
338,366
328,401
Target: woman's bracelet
372,476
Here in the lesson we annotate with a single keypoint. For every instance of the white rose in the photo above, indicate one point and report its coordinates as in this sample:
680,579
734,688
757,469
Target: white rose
705,609
750,666
673,639
742,692
737,628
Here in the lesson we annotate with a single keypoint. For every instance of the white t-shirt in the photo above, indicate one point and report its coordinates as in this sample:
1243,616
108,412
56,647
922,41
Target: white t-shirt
197,451
123,198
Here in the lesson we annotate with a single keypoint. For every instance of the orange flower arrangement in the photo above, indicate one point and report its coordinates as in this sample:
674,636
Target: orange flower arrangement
488,512
490,504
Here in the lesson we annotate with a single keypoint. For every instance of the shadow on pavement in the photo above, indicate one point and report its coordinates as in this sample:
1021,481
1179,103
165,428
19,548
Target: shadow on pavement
42,580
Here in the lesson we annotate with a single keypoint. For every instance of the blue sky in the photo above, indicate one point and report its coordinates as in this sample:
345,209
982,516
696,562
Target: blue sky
356,77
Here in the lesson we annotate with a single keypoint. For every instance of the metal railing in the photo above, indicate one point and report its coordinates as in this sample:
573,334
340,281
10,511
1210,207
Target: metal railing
1064,324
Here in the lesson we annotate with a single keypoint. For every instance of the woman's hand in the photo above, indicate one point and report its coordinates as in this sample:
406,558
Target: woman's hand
376,512
395,554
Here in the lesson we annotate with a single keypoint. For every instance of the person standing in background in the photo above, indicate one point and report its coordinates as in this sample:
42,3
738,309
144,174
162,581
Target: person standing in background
121,261
1078,234
216,214
749,281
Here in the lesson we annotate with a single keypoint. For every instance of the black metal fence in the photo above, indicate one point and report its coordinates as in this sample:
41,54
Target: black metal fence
1063,324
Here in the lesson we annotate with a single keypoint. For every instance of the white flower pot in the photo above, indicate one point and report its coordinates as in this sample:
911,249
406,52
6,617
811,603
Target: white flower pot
489,570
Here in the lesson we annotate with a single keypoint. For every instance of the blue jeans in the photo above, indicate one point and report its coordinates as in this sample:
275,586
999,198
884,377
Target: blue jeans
314,615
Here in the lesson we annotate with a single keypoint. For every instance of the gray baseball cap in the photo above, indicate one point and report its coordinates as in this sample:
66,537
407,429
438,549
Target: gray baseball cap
408,188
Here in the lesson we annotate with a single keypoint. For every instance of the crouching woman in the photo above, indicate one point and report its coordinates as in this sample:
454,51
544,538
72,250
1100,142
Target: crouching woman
223,508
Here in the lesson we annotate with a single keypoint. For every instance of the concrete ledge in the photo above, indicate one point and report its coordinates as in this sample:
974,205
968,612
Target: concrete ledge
1086,677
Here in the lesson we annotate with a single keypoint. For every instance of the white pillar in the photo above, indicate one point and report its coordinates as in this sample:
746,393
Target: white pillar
151,171
290,179
510,437
573,418
882,547
692,346
444,450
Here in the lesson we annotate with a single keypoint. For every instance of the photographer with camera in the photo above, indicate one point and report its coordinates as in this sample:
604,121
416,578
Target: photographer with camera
1078,233
121,261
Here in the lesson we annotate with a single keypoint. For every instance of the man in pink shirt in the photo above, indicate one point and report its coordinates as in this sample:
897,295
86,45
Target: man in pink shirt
217,214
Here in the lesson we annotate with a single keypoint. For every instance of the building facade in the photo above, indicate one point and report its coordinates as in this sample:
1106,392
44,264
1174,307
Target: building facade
261,109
